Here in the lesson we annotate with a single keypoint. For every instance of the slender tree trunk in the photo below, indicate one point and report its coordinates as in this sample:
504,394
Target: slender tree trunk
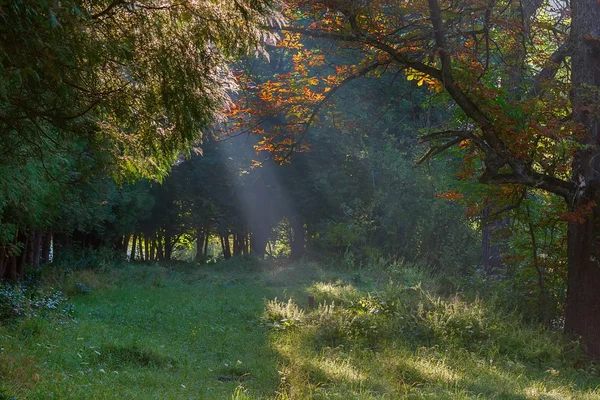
582,311
146,248
236,245
161,253
227,246
125,247
206,239
246,243
141,247
199,244
168,247
133,248
152,248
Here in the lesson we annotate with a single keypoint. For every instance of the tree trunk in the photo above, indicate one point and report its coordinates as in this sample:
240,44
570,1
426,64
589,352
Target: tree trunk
153,249
258,243
146,248
237,249
125,247
225,246
133,248
141,247
582,311
199,244
159,246
246,243
168,247
206,238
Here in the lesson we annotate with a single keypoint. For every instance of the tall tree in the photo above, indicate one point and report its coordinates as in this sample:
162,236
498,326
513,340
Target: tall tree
545,137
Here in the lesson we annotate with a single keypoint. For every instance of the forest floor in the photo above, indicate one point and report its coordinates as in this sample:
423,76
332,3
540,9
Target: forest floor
216,332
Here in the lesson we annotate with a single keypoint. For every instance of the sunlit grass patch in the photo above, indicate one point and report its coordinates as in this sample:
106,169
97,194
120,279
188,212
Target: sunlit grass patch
403,341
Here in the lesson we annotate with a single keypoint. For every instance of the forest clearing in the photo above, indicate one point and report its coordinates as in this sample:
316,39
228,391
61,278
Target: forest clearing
299,199
178,331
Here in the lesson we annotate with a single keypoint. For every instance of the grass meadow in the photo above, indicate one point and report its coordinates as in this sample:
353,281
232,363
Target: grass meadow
243,330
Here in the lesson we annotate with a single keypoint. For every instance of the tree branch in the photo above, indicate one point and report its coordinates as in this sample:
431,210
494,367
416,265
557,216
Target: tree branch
435,150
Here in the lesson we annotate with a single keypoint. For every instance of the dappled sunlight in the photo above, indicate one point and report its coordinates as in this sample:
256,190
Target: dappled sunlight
336,291
434,370
339,370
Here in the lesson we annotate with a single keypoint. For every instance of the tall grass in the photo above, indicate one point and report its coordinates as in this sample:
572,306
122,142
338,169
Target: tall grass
402,340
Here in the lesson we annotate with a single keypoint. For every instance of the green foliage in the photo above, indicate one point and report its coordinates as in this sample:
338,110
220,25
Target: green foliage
110,75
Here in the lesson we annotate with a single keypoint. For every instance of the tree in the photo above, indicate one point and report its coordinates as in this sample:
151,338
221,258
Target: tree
538,131
138,80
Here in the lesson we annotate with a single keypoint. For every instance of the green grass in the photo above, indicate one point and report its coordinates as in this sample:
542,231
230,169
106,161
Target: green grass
154,334
185,332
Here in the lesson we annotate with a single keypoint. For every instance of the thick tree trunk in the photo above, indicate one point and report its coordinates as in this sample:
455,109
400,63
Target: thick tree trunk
582,312
258,243
226,246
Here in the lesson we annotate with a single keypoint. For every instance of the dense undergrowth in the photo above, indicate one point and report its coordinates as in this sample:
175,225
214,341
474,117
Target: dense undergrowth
243,329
